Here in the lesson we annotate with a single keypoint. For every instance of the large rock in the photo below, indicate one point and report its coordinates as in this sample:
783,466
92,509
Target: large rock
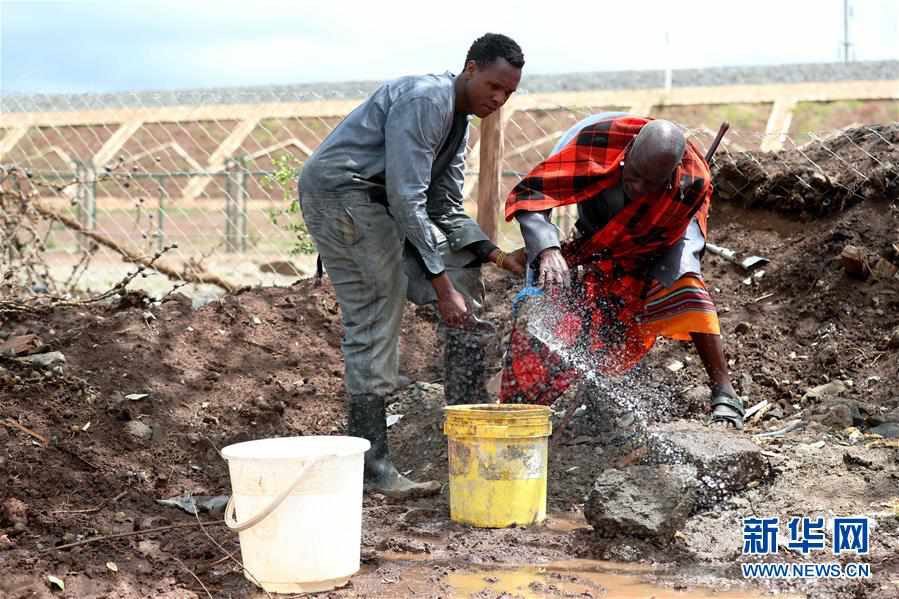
840,413
726,462
642,501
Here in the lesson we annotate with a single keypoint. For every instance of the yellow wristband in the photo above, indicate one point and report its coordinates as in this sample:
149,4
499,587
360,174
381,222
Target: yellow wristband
500,257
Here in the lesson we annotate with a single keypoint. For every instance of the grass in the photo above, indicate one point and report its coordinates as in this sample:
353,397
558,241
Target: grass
826,116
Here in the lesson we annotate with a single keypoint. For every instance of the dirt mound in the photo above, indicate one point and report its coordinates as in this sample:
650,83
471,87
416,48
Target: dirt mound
822,177
147,395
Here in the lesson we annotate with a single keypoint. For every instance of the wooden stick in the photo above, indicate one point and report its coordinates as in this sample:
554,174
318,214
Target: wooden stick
91,510
222,560
489,175
12,423
712,148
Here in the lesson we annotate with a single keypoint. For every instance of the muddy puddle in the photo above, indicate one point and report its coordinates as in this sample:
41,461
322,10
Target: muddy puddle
585,579
421,574
573,578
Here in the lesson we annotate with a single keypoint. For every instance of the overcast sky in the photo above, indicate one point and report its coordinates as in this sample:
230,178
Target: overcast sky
51,46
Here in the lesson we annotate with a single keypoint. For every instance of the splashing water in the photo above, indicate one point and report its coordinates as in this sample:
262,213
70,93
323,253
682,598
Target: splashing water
624,408
634,393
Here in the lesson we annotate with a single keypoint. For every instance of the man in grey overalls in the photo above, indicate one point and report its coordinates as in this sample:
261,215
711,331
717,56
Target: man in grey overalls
382,198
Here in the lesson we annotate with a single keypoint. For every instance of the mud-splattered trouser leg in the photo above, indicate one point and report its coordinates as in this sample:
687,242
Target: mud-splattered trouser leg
362,252
464,366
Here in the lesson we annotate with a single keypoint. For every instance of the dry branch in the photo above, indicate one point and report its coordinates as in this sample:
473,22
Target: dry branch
195,276
136,533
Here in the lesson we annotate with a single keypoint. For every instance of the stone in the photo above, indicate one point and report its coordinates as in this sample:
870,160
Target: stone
21,345
855,262
675,365
742,328
887,430
139,430
893,341
177,301
149,522
696,396
50,360
830,389
14,512
828,355
416,397
149,549
840,413
726,463
856,459
651,502
884,269
775,413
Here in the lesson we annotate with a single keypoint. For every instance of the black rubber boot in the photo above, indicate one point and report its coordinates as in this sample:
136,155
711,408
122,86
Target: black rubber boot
367,419
464,370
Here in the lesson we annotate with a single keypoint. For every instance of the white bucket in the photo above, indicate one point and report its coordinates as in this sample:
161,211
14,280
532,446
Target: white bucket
300,504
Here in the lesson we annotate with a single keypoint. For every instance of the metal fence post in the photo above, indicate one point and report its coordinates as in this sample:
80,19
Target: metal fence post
160,217
86,200
242,206
235,207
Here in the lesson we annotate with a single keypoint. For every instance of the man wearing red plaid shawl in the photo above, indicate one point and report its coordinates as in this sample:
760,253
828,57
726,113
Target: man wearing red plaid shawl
642,193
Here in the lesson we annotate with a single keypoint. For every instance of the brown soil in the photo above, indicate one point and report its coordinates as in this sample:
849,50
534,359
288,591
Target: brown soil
267,362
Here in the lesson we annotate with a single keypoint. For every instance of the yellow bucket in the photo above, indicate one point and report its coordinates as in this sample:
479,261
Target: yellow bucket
497,463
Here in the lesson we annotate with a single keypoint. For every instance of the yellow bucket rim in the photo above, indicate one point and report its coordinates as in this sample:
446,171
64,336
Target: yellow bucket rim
497,421
491,410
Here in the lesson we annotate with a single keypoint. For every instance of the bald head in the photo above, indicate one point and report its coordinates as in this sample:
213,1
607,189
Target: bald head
660,145
657,150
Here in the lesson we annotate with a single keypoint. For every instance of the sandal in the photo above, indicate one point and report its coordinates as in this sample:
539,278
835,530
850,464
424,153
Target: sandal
727,409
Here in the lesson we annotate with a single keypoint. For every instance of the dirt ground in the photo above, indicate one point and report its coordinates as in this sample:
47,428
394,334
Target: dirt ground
79,458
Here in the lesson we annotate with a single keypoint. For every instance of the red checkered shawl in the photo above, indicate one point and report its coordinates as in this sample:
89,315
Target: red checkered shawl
599,315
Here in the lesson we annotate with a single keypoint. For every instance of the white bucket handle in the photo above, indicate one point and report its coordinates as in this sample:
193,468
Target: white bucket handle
231,521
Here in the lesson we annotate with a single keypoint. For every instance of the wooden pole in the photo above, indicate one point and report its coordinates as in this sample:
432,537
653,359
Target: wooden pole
490,173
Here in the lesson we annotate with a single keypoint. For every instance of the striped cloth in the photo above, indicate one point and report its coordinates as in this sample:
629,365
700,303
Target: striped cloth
675,312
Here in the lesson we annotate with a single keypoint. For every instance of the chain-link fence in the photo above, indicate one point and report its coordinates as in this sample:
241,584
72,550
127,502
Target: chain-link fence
217,180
